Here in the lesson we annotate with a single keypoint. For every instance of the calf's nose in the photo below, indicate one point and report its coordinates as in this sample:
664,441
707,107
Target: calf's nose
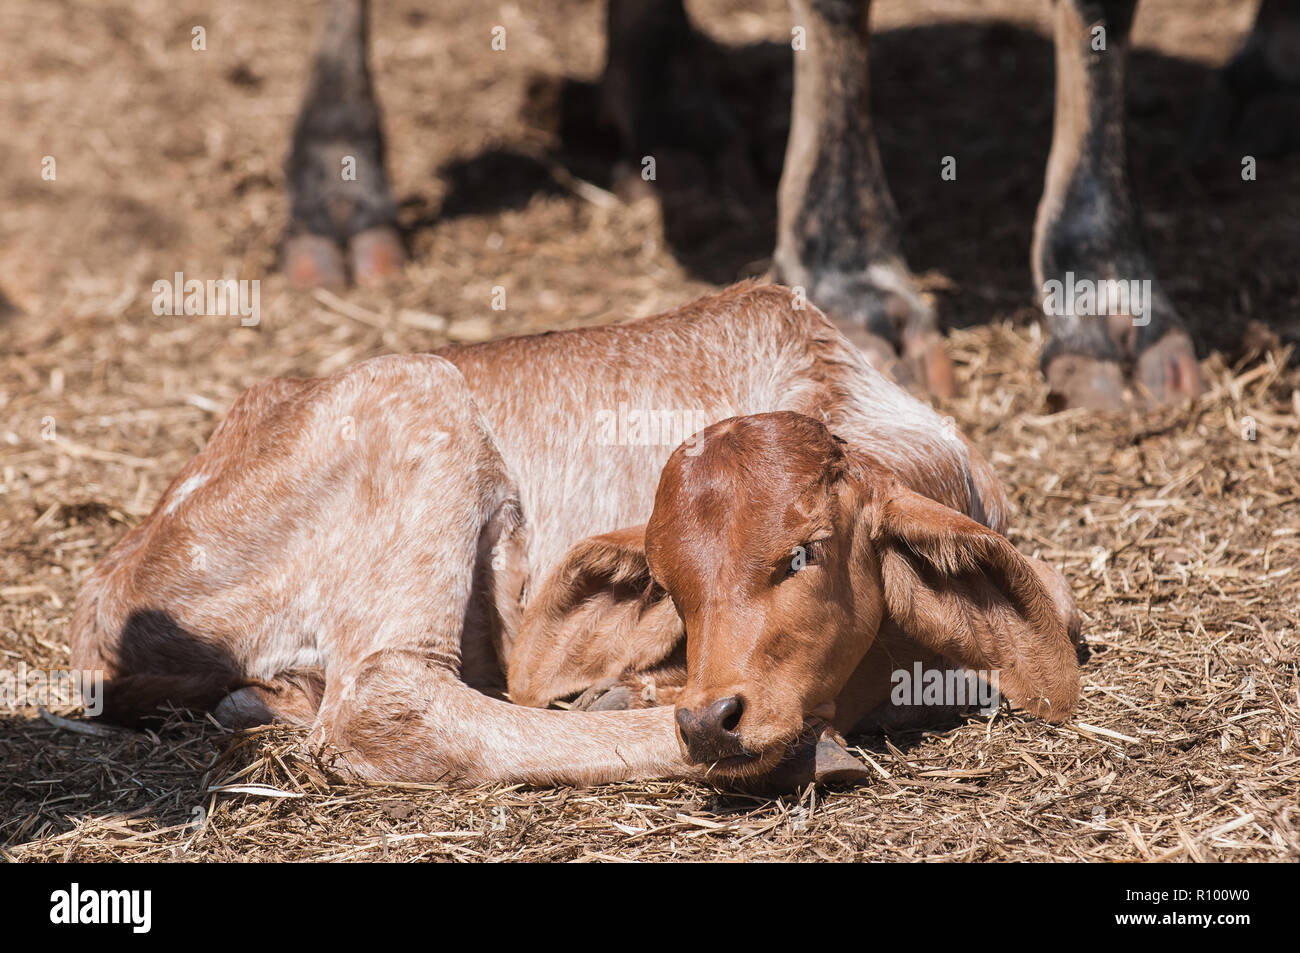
710,733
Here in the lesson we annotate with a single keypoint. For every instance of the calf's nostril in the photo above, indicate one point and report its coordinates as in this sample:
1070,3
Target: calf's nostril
723,716
729,712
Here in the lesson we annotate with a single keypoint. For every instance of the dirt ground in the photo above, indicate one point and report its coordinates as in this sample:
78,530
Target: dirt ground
1179,531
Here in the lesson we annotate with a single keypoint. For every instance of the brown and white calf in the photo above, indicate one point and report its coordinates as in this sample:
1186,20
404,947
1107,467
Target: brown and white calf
371,552
839,233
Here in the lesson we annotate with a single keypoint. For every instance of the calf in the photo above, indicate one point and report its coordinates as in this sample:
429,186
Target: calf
360,553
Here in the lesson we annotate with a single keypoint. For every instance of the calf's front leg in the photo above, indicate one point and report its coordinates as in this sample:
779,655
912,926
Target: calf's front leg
402,715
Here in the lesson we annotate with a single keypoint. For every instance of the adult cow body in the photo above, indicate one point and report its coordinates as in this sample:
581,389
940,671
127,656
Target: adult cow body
838,226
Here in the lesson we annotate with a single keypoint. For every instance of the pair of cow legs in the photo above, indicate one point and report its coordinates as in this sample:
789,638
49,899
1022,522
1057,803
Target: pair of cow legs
838,226
838,229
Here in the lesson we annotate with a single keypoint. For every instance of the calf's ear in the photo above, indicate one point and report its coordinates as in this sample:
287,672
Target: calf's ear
963,590
597,616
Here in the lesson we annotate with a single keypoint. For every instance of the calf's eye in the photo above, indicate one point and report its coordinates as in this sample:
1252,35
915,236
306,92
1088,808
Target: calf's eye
800,557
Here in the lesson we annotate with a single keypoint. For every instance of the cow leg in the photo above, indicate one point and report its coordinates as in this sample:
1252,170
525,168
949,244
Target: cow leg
338,190
838,227
663,90
1088,227
656,86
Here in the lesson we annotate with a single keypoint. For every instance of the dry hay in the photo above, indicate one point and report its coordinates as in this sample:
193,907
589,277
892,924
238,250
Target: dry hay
1180,537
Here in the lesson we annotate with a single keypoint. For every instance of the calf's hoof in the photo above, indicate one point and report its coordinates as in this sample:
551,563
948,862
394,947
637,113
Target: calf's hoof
824,761
618,698
243,708
313,261
832,764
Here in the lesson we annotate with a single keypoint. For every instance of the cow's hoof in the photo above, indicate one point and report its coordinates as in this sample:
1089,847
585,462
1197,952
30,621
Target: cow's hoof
377,255
882,312
1167,371
1076,380
313,261
923,367
926,365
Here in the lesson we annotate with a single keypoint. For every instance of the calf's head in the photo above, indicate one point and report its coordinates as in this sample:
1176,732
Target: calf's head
783,550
